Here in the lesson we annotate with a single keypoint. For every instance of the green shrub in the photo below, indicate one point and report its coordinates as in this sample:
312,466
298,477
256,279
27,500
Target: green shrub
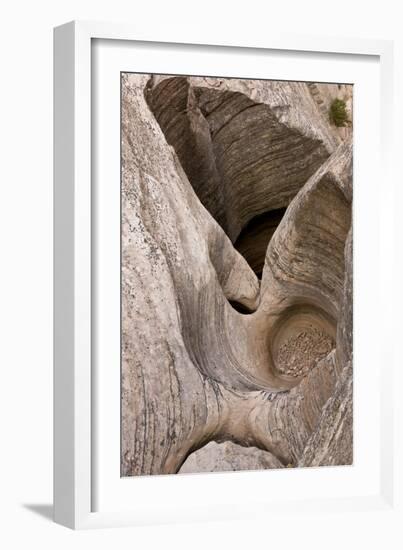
338,113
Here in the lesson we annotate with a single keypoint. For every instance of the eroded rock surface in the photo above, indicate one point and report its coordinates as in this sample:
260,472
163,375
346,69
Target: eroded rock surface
228,456
203,339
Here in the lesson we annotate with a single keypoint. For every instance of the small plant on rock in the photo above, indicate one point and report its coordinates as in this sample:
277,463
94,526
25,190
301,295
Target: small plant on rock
338,113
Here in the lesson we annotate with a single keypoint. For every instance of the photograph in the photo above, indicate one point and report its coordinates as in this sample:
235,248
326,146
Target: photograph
236,274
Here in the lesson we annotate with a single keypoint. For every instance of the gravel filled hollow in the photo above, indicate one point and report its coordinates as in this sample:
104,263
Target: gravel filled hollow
300,353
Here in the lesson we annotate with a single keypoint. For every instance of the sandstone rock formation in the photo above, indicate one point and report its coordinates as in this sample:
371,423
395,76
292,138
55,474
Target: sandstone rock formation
236,276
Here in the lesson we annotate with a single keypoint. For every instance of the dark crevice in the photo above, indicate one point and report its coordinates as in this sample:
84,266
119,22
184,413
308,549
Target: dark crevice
255,236
240,307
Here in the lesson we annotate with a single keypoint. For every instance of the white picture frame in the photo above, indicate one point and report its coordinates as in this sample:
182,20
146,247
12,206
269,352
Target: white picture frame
76,442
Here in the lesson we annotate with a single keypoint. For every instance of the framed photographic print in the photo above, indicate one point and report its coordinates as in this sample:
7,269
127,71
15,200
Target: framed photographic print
219,225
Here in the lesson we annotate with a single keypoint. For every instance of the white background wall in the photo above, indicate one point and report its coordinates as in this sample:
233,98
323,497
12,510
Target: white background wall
26,264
